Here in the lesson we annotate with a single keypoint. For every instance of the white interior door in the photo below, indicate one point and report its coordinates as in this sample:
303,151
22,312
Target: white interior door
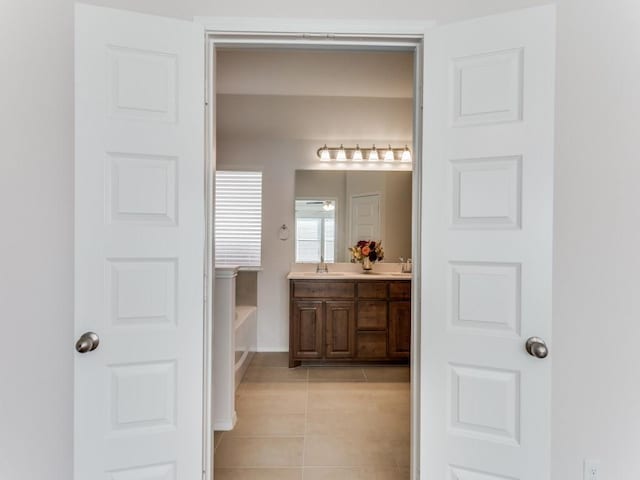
365,218
487,247
139,243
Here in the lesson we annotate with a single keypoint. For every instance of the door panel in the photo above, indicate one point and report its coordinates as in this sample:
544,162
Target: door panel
139,242
308,322
399,329
487,233
340,329
365,218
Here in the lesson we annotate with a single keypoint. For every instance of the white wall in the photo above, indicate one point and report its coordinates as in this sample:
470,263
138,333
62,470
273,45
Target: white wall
36,240
596,325
338,73
596,393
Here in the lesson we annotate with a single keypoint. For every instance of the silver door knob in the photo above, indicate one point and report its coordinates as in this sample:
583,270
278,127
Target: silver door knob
88,342
536,347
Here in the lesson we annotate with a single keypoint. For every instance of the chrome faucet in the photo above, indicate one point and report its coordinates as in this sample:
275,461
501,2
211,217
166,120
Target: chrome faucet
322,267
406,267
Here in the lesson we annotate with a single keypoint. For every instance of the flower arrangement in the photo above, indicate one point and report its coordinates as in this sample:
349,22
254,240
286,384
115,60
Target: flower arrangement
367,251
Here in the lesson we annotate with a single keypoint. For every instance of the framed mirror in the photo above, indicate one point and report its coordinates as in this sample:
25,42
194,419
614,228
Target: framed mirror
336,209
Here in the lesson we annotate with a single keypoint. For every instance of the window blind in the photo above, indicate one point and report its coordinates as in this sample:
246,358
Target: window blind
238,223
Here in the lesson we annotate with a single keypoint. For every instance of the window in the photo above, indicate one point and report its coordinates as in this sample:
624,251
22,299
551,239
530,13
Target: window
238,218
315,230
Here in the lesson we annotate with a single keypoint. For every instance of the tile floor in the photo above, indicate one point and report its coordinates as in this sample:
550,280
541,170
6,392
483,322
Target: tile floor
317,423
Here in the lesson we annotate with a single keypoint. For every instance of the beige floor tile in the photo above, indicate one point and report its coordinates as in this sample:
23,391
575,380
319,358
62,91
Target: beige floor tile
275,388
404,473
382,388
357,396
344,451
269,424
355,473
401,447
259,452
333,473
271,398
270,359
275,374
387,474
258,474
358,422
336,374
387,374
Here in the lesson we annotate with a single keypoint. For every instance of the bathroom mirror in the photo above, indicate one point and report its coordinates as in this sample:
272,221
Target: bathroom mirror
336,209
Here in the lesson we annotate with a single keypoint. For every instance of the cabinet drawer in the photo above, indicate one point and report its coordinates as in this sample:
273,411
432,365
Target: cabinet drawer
371,345
372,290
400,290
372,315
323,289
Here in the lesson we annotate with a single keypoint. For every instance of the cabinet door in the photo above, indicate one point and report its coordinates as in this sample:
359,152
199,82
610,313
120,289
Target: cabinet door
307,329
399,329
341,326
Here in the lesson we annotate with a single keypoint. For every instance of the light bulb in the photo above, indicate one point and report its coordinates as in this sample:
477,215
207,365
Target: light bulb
406,155
327,206
342,155
373,154
325,156
357,154
388,156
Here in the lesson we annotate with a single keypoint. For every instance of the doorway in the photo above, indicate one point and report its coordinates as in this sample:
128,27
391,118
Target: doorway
487,226
220,46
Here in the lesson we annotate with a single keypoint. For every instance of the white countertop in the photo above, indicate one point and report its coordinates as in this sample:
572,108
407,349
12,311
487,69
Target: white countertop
348,276
348,271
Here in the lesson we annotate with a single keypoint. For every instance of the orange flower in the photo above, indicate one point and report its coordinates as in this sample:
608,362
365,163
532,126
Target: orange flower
366,250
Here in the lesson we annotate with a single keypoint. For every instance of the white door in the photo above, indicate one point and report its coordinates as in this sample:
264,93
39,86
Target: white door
139,243
365,218
487,247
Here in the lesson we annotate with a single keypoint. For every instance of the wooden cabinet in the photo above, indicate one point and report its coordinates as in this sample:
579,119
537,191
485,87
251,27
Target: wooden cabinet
340,329
350,321
399,329
307,325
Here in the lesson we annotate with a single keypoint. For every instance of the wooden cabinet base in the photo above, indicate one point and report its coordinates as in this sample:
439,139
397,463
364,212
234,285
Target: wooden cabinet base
349,322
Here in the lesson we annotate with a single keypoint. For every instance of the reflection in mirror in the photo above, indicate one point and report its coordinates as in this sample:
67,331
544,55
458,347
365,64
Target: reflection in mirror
336,209
315,230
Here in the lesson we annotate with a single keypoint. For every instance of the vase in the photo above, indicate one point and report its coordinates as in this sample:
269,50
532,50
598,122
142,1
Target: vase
367,265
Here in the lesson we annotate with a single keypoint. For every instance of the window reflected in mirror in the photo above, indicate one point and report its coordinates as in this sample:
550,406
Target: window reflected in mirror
315,230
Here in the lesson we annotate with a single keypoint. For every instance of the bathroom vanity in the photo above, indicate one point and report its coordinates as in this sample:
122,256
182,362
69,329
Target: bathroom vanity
349,318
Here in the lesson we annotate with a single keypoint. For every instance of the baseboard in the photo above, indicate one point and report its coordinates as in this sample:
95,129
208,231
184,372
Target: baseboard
272,349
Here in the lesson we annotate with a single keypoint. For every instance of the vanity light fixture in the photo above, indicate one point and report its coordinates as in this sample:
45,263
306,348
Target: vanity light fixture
325,155
406,155
391,155
357,154
373,154
388,155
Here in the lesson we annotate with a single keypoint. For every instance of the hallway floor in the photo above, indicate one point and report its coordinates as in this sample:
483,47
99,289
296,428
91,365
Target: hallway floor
317,423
